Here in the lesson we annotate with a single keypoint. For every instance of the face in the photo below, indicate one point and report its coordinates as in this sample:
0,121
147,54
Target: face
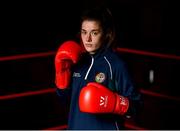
91,34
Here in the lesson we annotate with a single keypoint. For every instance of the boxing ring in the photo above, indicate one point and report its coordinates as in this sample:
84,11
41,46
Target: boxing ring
28,99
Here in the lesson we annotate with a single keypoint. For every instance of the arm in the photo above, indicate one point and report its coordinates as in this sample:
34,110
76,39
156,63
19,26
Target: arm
68,54
126,87
96,98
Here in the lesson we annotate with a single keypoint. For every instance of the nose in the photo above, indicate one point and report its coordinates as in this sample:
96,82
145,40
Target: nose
88,37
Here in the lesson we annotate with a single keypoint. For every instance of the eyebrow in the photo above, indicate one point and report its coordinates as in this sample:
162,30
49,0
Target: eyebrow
92,30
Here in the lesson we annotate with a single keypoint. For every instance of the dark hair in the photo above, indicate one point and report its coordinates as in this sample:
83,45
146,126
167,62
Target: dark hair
104,16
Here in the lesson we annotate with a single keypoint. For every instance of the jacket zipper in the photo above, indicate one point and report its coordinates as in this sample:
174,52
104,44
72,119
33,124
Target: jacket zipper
117,126
87,73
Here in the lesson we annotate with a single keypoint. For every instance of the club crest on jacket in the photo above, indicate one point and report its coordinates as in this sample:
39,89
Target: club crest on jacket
100,77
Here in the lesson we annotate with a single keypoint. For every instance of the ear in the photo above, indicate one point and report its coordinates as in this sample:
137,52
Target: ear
109,35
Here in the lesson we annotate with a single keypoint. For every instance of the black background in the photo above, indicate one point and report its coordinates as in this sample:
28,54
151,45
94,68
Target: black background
38,26
33,27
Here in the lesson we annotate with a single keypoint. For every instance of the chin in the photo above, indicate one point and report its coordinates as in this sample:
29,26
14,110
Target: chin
90,51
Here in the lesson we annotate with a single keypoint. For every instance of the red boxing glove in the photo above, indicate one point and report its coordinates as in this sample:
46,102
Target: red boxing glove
95,98
68,53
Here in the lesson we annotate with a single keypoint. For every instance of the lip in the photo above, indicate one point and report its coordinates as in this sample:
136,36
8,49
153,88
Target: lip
88,45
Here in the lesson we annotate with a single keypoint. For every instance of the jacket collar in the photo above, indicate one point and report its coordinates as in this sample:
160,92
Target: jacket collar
101,52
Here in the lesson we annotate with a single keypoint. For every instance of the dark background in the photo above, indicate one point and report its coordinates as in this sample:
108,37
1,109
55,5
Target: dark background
33,27
37,26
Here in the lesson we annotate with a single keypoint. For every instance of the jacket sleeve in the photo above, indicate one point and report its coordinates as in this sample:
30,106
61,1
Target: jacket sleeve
64,96
125,87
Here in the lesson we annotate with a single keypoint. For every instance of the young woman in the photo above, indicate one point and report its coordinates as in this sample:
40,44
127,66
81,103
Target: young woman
94,77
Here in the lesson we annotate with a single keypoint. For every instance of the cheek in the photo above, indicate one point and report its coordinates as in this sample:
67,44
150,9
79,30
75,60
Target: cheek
82,39
98,42
98,45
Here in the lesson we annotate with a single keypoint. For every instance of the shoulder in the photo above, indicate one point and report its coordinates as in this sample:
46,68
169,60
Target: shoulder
115,59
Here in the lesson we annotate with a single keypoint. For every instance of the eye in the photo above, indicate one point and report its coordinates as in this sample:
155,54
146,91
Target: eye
83,32
94,33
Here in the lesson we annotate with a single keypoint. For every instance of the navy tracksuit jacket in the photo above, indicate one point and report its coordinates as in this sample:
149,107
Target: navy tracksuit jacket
107,68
